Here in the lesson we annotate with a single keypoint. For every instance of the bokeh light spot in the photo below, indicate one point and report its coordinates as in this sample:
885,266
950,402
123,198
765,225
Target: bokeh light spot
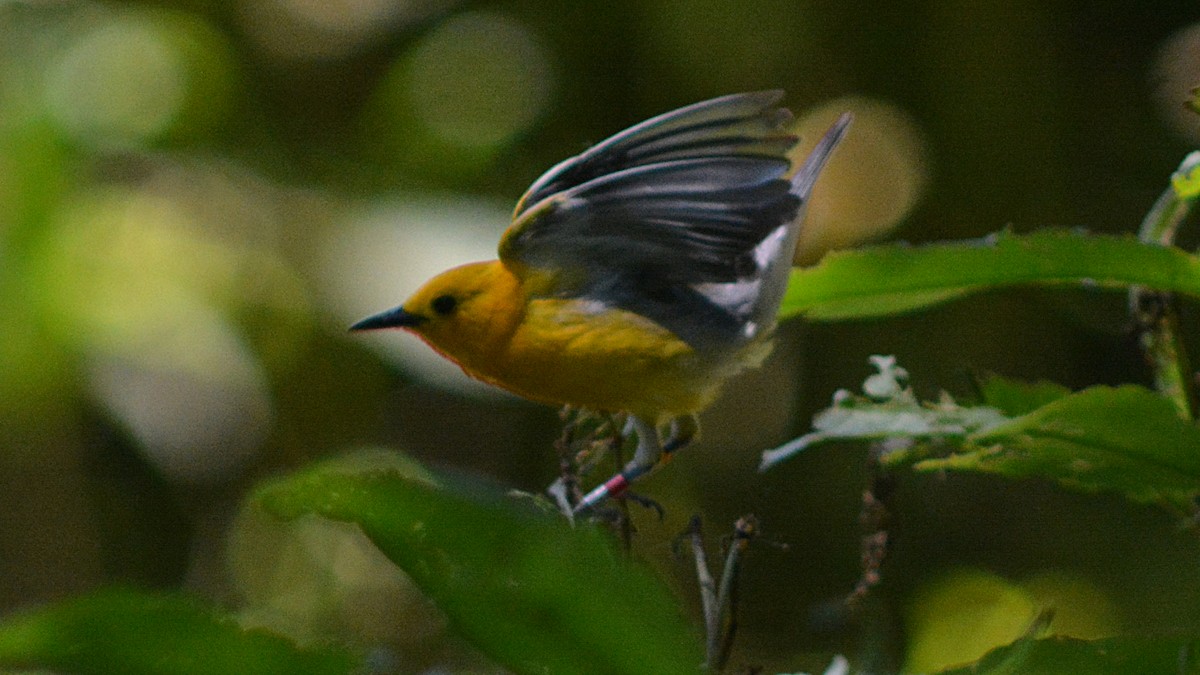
1177,73
872,182
121,84
310,30
962,614
191,429
478,79
137,288
959,616
350,16
1082,609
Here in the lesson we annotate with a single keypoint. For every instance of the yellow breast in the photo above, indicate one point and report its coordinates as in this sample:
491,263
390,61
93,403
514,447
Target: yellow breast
570,351
573,352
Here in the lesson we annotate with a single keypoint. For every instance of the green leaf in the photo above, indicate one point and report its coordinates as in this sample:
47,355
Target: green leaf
134,632
1014,397
1186,180
889,410
1126,439
894,279
528,590
1069,656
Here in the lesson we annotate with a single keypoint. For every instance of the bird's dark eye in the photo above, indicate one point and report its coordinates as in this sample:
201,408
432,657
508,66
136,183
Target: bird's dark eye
444,304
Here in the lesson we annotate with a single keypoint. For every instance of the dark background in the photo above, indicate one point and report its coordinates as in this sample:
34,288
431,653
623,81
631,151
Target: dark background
197,197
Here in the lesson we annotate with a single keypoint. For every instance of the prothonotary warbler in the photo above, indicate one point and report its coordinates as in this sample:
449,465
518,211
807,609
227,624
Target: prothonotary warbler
637,276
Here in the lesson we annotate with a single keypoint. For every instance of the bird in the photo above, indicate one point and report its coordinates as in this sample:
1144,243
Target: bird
636,277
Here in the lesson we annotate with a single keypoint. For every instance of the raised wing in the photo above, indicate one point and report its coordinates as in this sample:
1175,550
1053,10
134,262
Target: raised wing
739,124
689,219
685,196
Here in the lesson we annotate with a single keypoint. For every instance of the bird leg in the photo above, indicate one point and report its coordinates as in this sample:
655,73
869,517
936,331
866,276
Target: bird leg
651,451
649,448
683,430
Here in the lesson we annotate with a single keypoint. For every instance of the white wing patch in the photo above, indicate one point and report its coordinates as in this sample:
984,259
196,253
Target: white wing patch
742,299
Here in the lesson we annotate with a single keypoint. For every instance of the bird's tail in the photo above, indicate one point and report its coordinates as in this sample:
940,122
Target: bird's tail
775,277
806,176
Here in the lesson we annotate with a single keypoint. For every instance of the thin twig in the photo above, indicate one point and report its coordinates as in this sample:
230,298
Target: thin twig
586,439
565,490
719,604
1154,312
874,518
744,531
708,587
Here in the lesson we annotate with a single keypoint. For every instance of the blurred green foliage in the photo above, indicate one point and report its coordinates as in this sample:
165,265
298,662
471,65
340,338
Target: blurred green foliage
897,279
534,594
197,197
124,631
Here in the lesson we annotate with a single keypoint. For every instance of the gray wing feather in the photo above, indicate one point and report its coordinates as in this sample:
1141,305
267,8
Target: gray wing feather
691,192
688,218
693,220
739,124
775,273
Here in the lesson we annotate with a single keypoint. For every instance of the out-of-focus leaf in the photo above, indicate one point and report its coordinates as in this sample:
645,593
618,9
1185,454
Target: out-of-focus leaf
889,411
528,590
1014,397
133,632
1126,439
1185,182
1068,656
997,610
894,279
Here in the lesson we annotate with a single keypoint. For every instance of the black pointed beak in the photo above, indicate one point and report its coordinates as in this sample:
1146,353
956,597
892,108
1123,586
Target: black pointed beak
392,318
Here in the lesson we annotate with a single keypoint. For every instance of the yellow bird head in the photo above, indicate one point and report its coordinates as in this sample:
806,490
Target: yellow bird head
460,312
